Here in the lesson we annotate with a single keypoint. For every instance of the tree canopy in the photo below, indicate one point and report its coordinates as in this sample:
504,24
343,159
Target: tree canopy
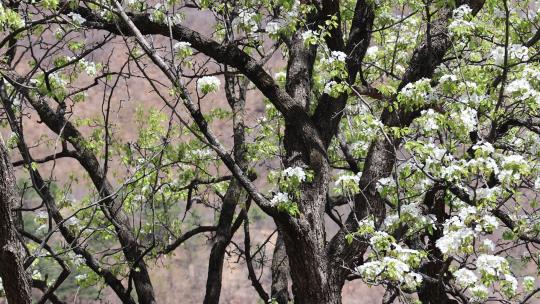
391,142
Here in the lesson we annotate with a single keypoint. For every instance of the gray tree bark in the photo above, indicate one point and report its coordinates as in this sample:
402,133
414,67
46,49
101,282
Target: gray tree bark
12,272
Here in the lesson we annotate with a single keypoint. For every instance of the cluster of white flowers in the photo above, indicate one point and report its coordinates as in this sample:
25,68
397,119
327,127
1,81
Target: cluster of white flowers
297,173
76,18
273,27
182,49
280,76
514,161
208,84
515,52
328,87
201,153
335,56
344,179
488,223
522,90
42,215
509,285
461,12
80,278
390,269
459,24
448,78
76,259
181,45
429,120
247,19
419,91
528,283
57,80
484,147
453,241
89,67
467,117
537,184
479,293
280,197
491,265
381,240
309,35
465,277
487,245
385,182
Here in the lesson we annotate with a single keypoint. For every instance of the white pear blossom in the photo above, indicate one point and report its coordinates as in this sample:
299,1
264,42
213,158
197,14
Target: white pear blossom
485,147
80,278
345,178
280,197
521,89
479,293
513,161
467,117
76,18
208,84
89,67
329,86
272,27
76,259
42,215
488,223
465,277
412,280
370,270
430,122
247,19
309,35
181,45
280,76
452,241
385,182
509,285
295,172
491,265
537,184
448,78
515,52
528,283
461,11
488,245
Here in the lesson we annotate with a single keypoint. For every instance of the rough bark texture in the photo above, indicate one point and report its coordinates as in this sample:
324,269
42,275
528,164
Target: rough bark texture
280,269
12,272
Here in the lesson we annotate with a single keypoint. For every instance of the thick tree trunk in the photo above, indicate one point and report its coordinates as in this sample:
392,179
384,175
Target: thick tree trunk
312,279
12,272
304,235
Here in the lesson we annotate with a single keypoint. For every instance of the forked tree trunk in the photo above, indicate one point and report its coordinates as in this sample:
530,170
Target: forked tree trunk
12,272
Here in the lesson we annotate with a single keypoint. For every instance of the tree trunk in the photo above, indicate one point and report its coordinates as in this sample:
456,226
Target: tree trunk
312,280
233,195
280,269
12,272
